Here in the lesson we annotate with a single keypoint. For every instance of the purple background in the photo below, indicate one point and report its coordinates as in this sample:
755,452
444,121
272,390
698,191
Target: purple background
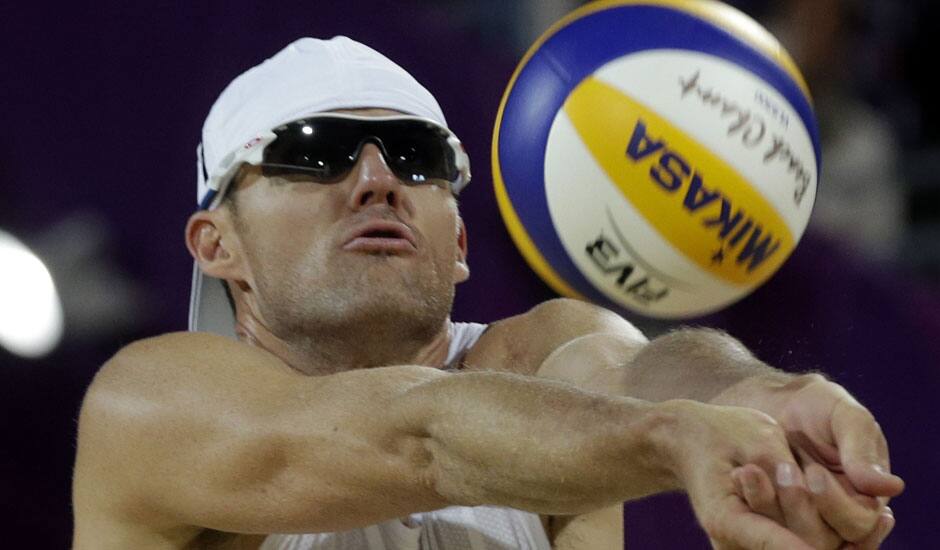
101,111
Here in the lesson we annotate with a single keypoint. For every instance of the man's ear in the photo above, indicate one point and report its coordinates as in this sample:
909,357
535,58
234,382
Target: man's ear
212,242
461,269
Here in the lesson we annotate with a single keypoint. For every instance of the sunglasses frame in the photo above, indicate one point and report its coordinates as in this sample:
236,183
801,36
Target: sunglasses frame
252,152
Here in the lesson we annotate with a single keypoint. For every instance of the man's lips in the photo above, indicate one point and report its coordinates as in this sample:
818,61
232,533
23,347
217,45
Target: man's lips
380,236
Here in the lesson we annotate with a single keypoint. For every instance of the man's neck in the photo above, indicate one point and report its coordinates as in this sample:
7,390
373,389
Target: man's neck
340,351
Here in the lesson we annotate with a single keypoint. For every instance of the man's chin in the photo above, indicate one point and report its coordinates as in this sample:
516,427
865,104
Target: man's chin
385,314
399,304
375,289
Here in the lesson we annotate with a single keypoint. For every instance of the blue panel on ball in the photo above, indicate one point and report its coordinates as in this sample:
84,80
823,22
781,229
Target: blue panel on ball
572,54
538,90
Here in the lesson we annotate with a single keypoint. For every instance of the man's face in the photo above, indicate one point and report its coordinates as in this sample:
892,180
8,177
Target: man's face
365,252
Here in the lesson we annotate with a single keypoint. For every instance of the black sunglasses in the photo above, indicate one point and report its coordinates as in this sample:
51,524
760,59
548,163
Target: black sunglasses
324,148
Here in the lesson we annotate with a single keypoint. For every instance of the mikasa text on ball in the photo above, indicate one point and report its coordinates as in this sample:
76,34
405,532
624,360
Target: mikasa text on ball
656,156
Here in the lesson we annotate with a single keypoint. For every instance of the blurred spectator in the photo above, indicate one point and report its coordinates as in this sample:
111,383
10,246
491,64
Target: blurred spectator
510,26
860,198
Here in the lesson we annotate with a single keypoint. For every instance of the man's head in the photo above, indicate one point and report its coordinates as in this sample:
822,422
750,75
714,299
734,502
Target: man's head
309,246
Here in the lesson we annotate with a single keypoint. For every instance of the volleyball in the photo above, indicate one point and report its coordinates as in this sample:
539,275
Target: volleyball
658,157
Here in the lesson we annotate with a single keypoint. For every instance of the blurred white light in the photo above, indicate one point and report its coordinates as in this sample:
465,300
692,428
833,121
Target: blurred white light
31,319
307,130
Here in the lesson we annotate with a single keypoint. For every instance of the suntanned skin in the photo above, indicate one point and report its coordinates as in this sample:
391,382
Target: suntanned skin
332,412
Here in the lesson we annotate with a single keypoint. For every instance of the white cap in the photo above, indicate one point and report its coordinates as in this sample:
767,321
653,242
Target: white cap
308,76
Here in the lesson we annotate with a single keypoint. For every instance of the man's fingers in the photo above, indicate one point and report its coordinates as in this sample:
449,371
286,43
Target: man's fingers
743,529
799,510
886,524
863,450
853,517
788,503
758,491
871,479
873,542
756,534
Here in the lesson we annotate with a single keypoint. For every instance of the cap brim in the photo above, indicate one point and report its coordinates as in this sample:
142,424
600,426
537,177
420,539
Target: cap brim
209,309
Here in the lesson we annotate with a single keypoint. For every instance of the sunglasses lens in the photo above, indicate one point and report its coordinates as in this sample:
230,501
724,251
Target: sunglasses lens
418,152
315,149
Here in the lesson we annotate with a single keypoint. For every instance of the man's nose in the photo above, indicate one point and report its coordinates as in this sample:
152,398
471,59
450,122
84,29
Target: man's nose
375,183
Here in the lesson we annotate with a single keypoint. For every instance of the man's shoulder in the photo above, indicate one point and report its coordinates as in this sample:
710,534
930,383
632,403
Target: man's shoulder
524,341
560,320
139,373
167,344
149,375
154,394
179,350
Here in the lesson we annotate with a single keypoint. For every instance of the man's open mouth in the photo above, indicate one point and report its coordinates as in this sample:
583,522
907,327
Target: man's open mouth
381,236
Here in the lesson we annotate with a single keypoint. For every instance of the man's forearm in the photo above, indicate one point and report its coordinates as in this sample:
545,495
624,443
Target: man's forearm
699,364
709,366
534,444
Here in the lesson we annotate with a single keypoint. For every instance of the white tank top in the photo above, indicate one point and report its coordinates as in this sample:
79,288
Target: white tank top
452,528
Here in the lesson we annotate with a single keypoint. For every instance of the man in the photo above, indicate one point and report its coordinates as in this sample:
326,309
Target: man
352,413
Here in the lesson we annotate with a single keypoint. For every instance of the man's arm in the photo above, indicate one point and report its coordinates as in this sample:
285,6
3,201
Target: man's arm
601,352
187,432
529,344
830,500
195,430
596,349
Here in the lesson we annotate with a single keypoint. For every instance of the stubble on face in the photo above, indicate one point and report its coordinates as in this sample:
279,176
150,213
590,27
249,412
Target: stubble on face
353,310
366,301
